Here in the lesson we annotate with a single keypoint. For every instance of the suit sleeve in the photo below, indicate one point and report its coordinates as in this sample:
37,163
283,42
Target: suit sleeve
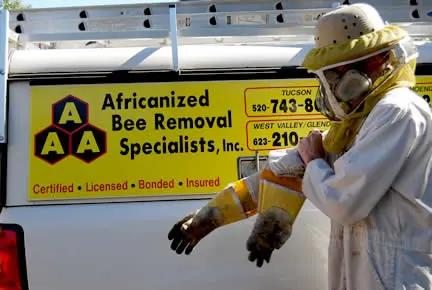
361,177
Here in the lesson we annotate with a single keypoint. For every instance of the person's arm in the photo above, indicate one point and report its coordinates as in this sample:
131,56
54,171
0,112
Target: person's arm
239,201
363,175
236,202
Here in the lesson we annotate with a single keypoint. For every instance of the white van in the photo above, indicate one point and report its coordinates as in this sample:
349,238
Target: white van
107,147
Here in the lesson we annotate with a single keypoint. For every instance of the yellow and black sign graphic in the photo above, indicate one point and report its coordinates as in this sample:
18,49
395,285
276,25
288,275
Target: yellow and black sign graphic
162,139
70,133
424,88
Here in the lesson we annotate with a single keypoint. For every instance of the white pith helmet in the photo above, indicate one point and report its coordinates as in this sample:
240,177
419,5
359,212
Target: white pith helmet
345,23
349,34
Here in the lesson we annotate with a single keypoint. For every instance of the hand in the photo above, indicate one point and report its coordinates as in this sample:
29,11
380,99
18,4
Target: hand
311,147
187,232
271,230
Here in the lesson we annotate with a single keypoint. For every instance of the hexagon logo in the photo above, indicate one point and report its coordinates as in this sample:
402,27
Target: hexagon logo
70,113
88,143
70,133
52,144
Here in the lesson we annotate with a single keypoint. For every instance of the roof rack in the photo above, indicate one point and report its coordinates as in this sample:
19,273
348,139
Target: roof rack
275,22
212,18
197,22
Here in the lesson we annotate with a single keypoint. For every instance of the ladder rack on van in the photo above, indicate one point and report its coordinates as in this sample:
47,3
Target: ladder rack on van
210,21
277,22
213,21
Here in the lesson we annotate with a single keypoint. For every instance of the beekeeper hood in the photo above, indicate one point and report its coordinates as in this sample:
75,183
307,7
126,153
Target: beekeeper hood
346,38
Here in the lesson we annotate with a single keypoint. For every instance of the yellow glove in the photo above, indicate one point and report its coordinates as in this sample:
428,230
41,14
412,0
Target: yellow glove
280,200
234,203
237,201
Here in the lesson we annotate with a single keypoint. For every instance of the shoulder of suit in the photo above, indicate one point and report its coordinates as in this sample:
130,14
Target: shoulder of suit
400,102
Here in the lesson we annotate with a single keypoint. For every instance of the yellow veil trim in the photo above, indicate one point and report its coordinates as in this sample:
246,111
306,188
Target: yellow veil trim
318,58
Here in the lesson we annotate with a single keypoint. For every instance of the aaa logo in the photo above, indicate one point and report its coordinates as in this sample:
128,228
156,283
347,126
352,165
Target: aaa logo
70,133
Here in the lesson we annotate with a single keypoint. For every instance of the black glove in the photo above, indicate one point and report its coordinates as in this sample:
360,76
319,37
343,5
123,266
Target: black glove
186,233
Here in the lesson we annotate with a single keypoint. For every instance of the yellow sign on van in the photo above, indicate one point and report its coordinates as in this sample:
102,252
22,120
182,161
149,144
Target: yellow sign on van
159,139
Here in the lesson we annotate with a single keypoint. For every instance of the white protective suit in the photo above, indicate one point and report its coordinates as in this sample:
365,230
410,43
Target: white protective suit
379,197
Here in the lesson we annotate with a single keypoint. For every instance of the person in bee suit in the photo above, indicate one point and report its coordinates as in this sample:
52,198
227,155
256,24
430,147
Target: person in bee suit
371,172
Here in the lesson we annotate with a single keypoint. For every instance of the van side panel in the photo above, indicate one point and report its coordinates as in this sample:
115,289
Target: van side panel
125,246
